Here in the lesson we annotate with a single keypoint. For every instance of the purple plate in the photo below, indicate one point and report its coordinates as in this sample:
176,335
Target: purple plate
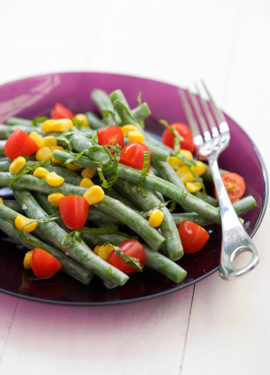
32,97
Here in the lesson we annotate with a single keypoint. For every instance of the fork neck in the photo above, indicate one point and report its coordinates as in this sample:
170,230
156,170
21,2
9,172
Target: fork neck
226,209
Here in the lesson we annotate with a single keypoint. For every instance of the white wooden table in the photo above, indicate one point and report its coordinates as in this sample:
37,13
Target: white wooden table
214,327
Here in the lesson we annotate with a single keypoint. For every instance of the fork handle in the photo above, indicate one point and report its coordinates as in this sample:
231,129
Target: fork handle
235,239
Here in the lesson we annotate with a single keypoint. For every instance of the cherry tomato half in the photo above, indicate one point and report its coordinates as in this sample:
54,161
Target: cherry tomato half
44,265
184,131
19,143
132,154
60,111
112,135
193,236
132,248
73,211
234,184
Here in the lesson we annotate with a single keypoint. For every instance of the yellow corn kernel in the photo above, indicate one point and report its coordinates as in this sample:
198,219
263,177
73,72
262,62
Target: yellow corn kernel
27,261
37,138
103,251
193,187
47,126
135,136
73,167
94,194
1,201
50,141
126,129
185,174
175,162
187,154
83,119
54,199
156,218
60,125
86,172
44,153
21,223
40,172
17,164
86,182
53,179
200,168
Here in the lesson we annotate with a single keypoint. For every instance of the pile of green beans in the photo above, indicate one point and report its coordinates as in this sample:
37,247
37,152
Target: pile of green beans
127,204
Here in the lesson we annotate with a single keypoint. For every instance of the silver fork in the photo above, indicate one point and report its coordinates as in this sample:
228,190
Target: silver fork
211,140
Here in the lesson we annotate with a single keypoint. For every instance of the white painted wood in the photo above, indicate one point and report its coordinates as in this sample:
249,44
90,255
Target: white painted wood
128,339
226,43
8,306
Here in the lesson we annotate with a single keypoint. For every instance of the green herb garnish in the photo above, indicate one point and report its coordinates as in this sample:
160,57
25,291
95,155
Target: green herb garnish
26,170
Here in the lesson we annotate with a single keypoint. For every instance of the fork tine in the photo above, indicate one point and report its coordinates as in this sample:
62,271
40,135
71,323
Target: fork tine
218,113
200,116
197,137
191,119
208,113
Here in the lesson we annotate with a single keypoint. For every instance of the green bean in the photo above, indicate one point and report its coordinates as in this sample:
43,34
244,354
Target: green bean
121,106
75,270
141,112
12,204
148,201
165,266
2,146
207,198
78,251
19,121
94,121
133,220
81,143
103,102
4,164
100,239
6,131
241,206
166,172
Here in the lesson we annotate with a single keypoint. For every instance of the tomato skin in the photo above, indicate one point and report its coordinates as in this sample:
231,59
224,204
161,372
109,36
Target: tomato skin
60,111
132,154
132,248
193,236
184,131
44,265
73,211
111,135
19,143
234,184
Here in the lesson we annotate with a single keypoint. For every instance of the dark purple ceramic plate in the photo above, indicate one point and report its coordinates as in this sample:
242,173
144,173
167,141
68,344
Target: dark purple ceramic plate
36,96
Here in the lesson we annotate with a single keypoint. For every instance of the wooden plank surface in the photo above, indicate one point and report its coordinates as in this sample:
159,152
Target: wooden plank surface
222,326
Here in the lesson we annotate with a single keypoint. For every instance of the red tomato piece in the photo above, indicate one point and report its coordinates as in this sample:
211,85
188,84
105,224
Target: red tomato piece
132,248
112,135
184,131
44,265
193,236
234,184
73,211
132,154
19,143
60,111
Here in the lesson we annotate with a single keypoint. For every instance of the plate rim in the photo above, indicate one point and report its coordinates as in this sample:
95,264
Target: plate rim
164,292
